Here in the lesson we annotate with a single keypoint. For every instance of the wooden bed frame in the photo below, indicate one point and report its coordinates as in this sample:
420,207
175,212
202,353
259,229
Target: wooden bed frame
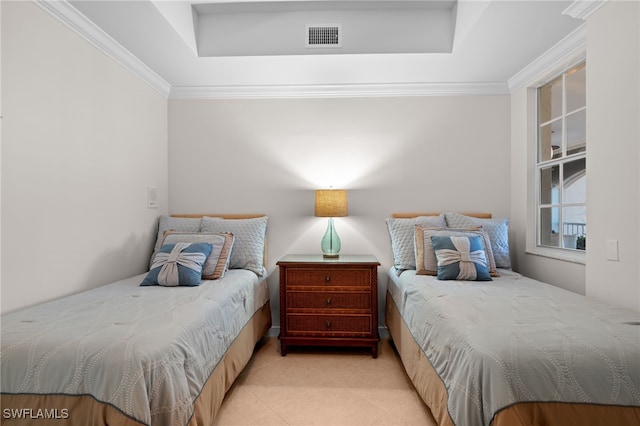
221,215
413,215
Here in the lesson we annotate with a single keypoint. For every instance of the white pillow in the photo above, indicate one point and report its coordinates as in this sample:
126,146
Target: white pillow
402,232
168,223
248,246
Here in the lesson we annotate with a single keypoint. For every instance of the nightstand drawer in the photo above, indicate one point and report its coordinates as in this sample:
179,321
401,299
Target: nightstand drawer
328,300
344,324
328,277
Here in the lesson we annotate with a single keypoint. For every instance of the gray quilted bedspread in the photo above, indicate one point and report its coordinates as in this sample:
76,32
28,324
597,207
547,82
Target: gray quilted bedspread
146,350
514,339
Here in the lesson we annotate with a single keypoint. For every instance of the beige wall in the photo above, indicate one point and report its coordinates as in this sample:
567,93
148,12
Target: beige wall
613,180
392,154
0,161
613,129
81,140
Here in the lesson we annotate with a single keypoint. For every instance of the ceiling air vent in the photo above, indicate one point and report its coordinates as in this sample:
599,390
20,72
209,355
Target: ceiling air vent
324,35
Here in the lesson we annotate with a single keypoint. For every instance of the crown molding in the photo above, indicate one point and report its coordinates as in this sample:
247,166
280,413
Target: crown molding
64,12
561,55
338,90
582,9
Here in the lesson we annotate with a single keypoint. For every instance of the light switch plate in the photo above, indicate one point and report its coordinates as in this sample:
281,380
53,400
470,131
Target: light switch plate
612,250
152,197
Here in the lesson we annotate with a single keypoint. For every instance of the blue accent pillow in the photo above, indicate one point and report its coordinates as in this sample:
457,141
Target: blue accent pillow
460,258
178,264
498,230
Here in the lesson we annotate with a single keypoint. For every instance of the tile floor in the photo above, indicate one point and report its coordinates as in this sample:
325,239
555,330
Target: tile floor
328,387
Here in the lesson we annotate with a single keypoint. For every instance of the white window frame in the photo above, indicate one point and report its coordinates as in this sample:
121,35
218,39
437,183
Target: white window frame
533,231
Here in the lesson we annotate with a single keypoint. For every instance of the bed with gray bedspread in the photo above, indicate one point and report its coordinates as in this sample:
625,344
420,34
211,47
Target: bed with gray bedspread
148,351
513,340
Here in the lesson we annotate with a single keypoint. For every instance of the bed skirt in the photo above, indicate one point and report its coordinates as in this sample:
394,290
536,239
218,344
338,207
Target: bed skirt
424,378
433,392
84,410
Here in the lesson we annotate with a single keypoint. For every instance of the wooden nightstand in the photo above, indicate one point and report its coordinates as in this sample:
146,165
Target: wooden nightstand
329,302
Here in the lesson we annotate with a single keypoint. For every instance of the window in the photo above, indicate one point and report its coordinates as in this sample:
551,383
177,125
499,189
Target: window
561,163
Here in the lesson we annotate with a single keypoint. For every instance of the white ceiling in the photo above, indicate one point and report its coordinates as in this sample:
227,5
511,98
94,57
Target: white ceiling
488,41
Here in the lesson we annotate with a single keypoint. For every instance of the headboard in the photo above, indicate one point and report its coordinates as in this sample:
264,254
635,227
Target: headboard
222,215
410,215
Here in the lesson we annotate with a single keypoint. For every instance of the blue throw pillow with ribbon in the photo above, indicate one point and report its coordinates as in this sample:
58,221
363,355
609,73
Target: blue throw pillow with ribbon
460,258
178,264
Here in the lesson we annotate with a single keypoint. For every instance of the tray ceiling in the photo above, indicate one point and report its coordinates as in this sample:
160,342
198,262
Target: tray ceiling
240,45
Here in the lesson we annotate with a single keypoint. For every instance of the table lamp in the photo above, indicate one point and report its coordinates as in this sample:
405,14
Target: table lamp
331,203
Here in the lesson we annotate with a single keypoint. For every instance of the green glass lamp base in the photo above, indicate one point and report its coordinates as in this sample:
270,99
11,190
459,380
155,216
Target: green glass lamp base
330,242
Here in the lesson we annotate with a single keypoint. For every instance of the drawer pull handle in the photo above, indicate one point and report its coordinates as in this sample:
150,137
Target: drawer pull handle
327,278
328,301
328,324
